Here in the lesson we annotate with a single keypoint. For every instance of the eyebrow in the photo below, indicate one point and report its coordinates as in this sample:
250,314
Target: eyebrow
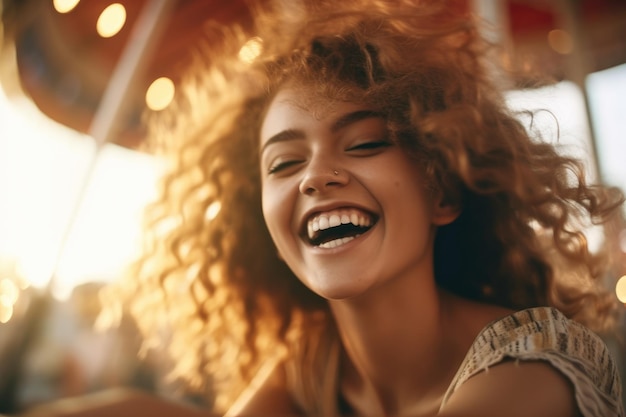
345,120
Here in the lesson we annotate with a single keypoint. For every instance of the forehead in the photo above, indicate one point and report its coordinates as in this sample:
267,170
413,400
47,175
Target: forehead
303,98
302,107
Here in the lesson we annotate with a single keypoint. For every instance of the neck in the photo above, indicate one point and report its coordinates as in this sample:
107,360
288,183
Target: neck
400,358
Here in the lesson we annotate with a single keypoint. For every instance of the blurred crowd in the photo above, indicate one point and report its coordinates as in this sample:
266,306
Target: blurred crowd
51,350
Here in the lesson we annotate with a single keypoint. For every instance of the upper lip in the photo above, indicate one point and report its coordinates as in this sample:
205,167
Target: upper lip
325,208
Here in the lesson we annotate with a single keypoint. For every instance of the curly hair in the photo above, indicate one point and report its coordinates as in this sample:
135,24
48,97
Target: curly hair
210,274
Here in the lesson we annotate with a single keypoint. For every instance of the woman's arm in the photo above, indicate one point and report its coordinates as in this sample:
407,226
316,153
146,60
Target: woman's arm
119,402
514,389
267,394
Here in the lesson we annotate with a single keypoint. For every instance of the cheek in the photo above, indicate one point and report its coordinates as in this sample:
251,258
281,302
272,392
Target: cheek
277,211
268,209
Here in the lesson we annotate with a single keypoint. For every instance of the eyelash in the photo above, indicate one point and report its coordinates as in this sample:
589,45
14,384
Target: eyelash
282,165
365,146
370,145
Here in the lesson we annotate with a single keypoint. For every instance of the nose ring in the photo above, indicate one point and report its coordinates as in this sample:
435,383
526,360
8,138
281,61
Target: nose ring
336,172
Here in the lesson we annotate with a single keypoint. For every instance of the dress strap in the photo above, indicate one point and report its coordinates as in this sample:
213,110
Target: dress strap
544,333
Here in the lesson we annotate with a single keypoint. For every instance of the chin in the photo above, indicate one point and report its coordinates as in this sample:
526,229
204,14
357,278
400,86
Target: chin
336,291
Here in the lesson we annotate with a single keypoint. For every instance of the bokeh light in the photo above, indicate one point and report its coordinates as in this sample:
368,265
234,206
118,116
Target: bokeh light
65,6
620,289
213,210
9,292
560,41
251,49
111,20
160,93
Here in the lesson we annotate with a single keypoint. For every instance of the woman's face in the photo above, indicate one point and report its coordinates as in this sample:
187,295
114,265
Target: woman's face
346,208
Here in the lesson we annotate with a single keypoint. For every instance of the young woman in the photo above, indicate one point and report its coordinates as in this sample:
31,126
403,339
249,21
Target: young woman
356,224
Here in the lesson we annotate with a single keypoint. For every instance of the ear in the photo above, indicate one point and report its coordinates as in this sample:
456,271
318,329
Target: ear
445,210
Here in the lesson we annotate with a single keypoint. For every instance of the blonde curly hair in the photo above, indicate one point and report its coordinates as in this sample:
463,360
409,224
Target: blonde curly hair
210,275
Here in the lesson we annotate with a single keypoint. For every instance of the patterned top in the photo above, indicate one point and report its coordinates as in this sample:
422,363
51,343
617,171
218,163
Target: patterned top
544,333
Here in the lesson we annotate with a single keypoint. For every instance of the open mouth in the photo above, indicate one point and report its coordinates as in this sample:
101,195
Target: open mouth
338,227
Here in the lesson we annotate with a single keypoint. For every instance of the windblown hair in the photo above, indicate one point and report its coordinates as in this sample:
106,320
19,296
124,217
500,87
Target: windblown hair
210,275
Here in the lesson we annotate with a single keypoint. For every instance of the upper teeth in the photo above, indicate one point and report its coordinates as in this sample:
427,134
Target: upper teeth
335,218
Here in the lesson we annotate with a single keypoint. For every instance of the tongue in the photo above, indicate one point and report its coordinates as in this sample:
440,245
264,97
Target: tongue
344,230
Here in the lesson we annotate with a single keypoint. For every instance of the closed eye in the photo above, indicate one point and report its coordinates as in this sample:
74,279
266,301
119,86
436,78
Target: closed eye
367,146
275,168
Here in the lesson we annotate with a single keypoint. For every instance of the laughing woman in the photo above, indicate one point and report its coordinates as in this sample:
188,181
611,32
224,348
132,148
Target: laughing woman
356,224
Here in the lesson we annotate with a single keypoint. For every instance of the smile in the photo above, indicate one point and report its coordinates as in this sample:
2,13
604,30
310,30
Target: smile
337,227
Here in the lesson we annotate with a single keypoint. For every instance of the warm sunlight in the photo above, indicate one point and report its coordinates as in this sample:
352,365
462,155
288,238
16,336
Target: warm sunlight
607,104
43,166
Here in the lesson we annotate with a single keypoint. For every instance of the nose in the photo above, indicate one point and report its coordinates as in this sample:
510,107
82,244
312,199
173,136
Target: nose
320,177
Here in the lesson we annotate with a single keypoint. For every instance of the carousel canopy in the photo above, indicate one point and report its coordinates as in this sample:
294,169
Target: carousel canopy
67,51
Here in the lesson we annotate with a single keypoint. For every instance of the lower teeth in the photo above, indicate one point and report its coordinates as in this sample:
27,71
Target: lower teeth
337,242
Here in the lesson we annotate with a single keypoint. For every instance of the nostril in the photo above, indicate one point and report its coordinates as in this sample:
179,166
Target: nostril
319,180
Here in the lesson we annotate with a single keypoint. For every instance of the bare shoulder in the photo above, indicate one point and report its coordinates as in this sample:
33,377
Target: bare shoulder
555,367
511,388
267,394
467,318
507,387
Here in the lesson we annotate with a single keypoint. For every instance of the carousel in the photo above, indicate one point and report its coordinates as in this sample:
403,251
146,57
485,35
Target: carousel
77,79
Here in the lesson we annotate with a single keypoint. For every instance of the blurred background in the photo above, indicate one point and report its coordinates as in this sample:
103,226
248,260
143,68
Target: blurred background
76,79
